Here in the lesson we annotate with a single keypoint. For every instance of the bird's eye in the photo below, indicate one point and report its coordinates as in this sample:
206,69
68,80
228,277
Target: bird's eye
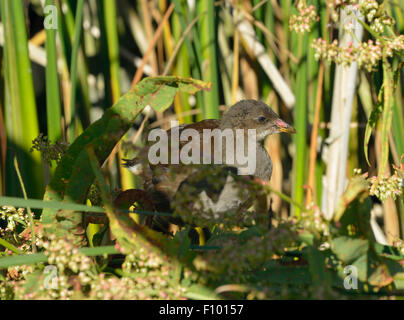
262,119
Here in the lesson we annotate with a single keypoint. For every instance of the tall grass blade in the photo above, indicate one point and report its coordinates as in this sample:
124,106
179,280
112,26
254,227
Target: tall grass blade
73,68
53,105
300,122
207,30
29,259
20,104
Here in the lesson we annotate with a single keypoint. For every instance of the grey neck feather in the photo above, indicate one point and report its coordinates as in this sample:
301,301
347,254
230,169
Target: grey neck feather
264,164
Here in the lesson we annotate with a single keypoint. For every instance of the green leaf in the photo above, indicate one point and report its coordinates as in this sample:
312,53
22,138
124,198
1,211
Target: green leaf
74,175
59,205
78,25
355,197
317,267
18,101
40,204
387,115
370,125
349,249
389,252
362,264
380,277
306,237
129,234
278,274
29,259
53,106
357,186
9,246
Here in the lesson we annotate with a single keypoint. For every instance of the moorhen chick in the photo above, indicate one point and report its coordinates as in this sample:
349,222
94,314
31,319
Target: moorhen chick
192,187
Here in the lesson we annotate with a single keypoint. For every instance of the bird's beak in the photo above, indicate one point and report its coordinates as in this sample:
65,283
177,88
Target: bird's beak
284,127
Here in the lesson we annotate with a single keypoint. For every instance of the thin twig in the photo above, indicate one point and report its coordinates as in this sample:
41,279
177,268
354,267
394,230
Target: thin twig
39,38
179,44
251,42
3,147
147,20
314,133
73,69
269,36
283,196
176,116
258,5
139,71
141,128
236,63
31,216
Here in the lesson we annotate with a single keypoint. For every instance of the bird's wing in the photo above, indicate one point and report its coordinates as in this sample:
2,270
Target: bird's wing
166,178
210,124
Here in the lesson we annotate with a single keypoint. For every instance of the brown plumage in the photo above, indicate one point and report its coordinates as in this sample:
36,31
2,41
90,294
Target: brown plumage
245,115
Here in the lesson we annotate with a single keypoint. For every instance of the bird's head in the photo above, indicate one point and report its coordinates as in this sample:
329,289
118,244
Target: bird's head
252,114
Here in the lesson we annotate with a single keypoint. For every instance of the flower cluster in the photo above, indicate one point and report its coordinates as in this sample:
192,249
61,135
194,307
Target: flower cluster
15,228
323,50
369,54
375,15
396,43
153,286
20,272
370,7
314,221
335,5
48,150
303,21
6,289
113,288
65,256
370,10
386,187
12,217
398,243
150,276
145,276
72,272
72,275
366,54
142,261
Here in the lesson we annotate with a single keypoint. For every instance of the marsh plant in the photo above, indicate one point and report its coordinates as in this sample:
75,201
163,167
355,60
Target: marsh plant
91,236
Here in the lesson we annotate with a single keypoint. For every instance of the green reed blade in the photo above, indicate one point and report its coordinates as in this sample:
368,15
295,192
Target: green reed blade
73,67
20,105
207,31
53,105
300,120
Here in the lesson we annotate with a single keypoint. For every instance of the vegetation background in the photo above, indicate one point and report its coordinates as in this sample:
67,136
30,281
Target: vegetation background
60,81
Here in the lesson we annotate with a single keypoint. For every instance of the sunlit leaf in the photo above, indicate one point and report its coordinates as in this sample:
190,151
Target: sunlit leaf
74,175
